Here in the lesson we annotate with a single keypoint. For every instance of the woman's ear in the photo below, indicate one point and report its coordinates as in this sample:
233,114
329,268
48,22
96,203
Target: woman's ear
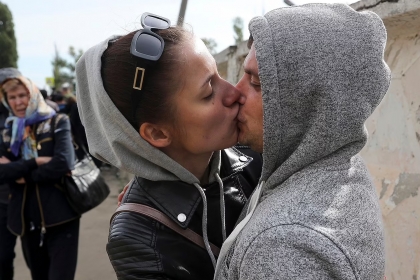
156,135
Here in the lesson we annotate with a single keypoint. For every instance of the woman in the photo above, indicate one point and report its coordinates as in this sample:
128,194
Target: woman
162,112
35,153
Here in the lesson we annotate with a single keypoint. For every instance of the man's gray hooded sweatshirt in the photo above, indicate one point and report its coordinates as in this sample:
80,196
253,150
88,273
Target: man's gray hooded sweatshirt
322,74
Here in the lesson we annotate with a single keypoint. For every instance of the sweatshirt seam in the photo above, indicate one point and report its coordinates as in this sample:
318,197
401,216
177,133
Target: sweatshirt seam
342,250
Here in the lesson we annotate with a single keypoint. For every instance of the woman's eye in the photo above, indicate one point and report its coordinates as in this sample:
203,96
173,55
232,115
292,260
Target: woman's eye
210,96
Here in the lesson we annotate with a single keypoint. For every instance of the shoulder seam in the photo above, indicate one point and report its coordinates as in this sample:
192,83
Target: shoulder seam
353,268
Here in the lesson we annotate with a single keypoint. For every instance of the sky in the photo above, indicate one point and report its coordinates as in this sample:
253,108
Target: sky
42,24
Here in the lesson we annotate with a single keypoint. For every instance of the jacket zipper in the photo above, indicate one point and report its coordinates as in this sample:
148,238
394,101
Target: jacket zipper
23,209
38,146
43,230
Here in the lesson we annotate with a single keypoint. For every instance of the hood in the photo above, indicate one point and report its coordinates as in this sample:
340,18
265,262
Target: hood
110,136
9,73
323,73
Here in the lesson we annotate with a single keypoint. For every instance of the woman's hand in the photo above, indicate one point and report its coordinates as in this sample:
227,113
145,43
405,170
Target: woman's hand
42,160
21,181
121,195
4,160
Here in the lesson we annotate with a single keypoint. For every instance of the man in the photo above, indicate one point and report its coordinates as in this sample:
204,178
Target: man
314,74
7,239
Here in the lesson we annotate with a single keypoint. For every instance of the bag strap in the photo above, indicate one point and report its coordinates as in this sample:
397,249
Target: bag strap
52,125
163,219
53,136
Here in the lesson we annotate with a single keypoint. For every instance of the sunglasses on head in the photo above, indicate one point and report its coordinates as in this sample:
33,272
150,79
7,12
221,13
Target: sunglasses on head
147,47
147,44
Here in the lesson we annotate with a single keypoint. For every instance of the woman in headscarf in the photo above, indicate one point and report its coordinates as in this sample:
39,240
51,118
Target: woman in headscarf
35,153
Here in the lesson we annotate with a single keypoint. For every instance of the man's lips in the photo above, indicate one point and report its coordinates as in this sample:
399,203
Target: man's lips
240,119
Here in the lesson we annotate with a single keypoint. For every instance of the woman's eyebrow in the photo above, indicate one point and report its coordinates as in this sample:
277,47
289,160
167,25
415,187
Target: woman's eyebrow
207,80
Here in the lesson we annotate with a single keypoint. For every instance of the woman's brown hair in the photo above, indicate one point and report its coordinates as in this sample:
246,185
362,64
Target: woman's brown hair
162,79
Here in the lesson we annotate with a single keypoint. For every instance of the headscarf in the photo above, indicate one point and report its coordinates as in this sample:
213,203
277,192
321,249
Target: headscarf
37,111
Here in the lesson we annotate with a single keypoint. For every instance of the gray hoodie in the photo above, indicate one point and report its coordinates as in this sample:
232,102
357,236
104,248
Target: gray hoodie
315,214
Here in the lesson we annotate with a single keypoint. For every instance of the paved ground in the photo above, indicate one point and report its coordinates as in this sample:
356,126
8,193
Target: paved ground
93,262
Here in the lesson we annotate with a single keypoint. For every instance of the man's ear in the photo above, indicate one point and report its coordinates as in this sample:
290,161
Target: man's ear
156,135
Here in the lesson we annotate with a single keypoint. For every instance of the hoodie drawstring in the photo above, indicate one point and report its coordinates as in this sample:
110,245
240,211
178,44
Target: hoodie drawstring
204,218
222,205
204,224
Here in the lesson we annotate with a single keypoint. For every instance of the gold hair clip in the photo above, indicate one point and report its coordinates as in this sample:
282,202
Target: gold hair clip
141,80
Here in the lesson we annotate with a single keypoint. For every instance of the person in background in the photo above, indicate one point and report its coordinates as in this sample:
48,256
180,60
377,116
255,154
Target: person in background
36,151
7,239
49,102
66,91
61,102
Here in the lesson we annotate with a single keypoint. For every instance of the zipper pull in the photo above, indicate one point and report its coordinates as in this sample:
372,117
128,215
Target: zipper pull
43,231
32,228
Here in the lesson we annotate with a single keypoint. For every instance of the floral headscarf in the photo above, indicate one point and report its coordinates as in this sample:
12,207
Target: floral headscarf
37,111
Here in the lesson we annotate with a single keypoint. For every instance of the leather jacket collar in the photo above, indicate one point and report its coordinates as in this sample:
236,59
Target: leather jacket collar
175,198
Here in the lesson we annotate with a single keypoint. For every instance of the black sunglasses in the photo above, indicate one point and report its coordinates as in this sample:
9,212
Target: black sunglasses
146,47
146,43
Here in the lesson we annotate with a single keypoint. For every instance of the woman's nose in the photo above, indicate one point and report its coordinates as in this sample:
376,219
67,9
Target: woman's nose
231,97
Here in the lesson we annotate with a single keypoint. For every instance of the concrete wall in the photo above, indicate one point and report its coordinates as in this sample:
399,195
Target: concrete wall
392,153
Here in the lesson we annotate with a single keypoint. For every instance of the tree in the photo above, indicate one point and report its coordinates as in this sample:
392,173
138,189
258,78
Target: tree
8,51
59,70
210,44
63,70
238,26
75,57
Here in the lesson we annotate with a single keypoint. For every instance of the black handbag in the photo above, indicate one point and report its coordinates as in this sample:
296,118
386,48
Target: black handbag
85,187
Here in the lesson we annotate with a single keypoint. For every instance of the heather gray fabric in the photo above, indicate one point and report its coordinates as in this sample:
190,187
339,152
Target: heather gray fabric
322,73
110,136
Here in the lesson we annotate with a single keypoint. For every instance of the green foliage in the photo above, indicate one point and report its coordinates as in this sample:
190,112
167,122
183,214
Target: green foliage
8,50
238,26
210,44
63,70
75,57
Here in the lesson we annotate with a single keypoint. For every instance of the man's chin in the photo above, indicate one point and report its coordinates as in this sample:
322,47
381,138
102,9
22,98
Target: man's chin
242,139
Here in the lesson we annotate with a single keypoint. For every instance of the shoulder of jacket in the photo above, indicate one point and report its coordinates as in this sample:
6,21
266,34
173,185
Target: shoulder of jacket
297,237
59,118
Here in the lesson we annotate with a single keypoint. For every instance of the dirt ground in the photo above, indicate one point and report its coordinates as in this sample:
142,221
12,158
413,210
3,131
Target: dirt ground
93,262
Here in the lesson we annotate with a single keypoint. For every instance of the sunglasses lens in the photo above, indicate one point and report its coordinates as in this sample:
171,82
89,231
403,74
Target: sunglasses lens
154,22
148,44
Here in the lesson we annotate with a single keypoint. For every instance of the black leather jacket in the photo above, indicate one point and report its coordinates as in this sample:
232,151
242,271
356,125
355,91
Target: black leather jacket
4,188
142,248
